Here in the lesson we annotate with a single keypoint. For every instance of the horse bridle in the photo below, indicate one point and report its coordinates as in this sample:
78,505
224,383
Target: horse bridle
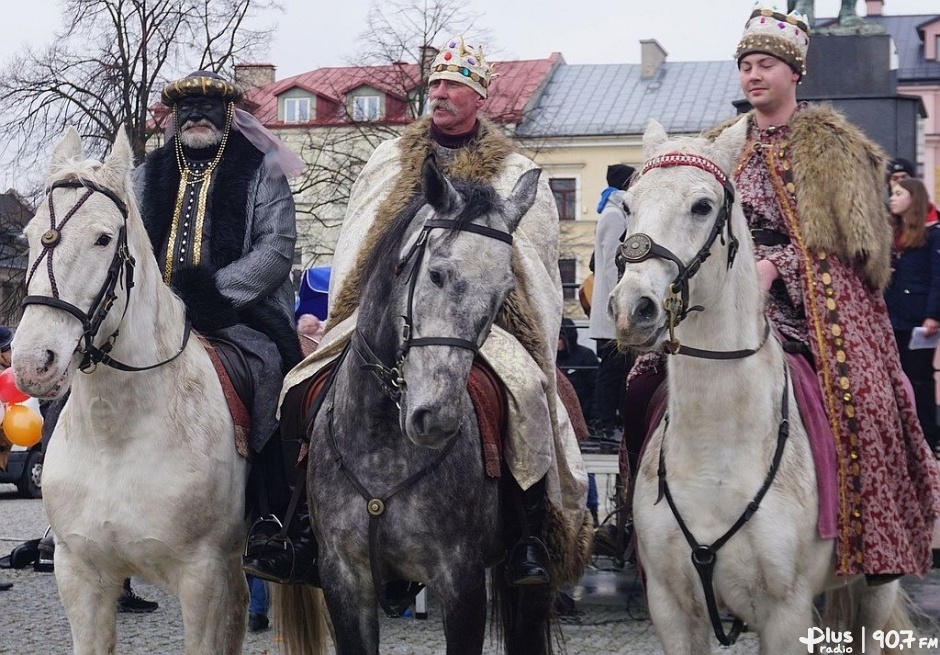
392,379
392,382
121,271
639,247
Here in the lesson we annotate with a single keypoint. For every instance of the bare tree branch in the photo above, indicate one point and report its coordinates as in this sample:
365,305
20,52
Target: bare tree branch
107,66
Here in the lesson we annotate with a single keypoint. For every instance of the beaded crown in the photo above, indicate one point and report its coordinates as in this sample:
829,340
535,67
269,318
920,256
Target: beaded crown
460,62
770,30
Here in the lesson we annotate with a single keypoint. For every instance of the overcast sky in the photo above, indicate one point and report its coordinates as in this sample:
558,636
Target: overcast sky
315,33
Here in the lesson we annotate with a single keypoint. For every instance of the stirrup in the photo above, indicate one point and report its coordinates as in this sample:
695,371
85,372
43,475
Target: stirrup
532,553
272,533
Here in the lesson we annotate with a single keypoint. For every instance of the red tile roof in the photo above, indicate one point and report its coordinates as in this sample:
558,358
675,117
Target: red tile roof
511,88
513,85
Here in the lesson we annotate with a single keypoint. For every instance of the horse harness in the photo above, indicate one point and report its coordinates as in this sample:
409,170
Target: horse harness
392,383
640,247
121,271
392,379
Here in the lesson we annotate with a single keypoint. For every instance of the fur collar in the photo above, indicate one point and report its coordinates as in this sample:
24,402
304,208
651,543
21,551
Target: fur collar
839,176
228,199
480,161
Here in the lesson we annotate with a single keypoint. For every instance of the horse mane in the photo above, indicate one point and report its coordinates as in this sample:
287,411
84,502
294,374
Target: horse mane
478,200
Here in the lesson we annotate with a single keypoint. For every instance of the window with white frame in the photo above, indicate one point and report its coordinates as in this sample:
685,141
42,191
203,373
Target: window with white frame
296,110
366,108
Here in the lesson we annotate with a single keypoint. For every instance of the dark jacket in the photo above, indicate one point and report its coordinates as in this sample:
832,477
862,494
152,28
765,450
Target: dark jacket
579,364
914,292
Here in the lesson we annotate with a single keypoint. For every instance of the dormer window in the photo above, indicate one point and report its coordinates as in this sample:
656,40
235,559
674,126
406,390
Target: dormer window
296,110
366,108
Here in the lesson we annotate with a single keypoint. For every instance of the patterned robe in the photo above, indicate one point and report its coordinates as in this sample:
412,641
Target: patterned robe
817,180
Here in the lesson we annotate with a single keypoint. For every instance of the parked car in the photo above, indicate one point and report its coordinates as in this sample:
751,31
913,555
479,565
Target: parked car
25,470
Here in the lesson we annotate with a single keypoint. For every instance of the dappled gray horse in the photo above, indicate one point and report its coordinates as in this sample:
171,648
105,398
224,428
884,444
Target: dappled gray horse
396,478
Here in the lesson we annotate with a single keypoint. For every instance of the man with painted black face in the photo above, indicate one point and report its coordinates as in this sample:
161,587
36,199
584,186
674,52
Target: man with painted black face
468,146
219,212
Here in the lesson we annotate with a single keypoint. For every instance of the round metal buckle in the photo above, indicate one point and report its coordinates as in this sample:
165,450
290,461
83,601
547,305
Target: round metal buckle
50,238
636,247
376,507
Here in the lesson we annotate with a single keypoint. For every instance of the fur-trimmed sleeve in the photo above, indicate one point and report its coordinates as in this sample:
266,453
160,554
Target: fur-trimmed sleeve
839,176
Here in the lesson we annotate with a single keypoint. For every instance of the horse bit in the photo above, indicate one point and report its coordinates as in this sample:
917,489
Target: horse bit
640,247
120,270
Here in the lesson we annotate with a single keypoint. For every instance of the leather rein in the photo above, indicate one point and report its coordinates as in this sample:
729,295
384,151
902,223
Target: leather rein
121,271
392,383
638,248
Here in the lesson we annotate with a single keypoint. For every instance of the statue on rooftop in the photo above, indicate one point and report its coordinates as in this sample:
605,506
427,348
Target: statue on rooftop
849,21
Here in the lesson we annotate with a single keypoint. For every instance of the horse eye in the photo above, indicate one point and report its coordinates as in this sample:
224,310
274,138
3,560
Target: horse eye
626,209
702,208
436,278
103,240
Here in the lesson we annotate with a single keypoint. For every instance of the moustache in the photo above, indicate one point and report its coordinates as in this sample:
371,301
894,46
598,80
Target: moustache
446,105
202,122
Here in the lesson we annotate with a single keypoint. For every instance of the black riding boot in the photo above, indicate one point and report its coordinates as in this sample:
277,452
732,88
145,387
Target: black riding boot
290,559
528,562
287,560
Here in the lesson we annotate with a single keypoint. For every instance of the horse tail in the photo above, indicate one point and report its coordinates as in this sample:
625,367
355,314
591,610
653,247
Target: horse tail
301,619
521,616
886,607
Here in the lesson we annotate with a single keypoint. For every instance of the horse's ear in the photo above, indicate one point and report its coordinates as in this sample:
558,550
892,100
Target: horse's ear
729,144
69,149
438,191
119,161
522,197
653,137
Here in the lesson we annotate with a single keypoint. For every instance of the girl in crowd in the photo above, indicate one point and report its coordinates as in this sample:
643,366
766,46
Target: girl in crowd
913,297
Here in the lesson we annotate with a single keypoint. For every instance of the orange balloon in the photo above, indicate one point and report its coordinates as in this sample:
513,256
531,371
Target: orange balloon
22,426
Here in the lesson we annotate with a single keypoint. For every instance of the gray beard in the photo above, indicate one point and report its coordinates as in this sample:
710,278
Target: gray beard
198,141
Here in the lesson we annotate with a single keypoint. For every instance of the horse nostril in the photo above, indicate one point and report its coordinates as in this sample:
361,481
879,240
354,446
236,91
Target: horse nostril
50,359
645,310
419,420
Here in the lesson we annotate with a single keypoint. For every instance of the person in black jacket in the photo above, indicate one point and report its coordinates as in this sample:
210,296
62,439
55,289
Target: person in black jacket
579,364
913,297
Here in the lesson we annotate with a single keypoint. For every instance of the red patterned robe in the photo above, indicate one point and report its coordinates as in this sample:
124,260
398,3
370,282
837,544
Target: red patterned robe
818,181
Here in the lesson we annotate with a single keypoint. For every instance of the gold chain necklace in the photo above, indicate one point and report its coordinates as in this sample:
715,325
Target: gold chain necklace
188,178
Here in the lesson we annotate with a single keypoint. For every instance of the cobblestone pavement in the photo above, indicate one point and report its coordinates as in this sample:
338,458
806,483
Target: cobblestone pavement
612,617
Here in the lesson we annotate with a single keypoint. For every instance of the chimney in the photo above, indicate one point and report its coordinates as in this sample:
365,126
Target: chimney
874,7
250,76
652,55
428,53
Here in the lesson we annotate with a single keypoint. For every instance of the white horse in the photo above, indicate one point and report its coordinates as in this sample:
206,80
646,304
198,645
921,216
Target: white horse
710,456
141,476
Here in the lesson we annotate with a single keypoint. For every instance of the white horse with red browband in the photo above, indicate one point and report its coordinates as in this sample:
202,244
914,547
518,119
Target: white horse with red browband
720,437
141,476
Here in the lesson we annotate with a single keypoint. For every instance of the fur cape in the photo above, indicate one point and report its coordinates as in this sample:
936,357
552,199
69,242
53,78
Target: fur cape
480,162
207,308
839,173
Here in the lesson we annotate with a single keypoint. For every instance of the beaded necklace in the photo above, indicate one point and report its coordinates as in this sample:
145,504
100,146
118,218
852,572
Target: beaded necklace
188,178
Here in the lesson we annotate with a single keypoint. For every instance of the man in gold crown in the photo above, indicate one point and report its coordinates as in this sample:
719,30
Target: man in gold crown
468,146
219,212
810,183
